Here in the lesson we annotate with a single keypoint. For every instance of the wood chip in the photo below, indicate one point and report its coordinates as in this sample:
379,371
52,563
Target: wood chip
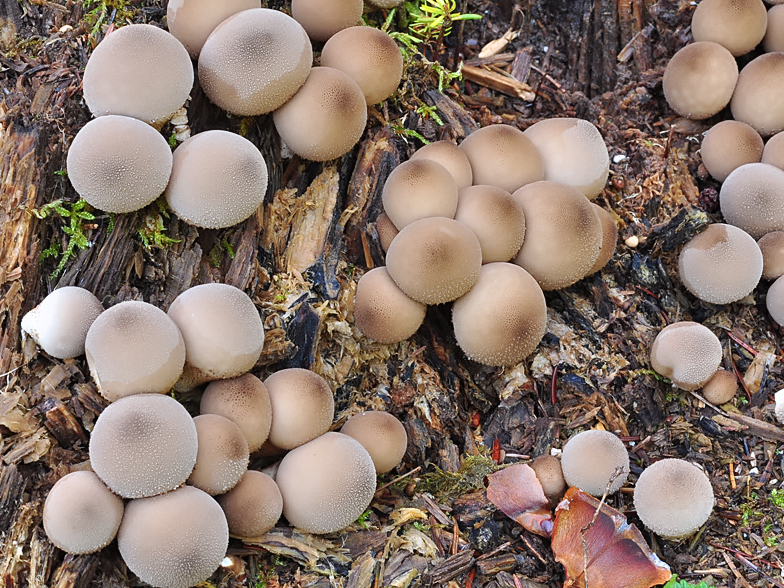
495,81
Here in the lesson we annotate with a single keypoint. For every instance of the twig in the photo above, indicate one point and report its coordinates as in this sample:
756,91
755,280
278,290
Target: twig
553,388
406,475
740,342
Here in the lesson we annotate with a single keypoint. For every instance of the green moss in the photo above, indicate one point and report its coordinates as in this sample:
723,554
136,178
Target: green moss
470,478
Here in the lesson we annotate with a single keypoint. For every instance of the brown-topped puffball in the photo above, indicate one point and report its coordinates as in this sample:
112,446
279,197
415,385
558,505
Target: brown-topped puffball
774,33
119,164
389,3
222,330
325,118
143,445
728,145
254,61
386,230
253,506
503,156
721,388
452,158
737,25
590,460
720,265
192,21
324,18
752,198
550,475
134,347
573,152
176,540
81,515
382,435
609,238
244,401
501,320
774,151
59,324
302,407
756,100
775,301
673,498
699,80
435,260
418,189
139,71
218,179
772,247
222,457
382,311
496,219
326,484
369,55
563,234
687,353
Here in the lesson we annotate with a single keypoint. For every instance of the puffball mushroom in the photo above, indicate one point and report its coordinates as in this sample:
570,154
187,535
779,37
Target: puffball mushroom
775,301
573,152
134,347
369,55
119,164
218,179
192,21
386,230
324,18
59,324
326,484
325,118
254,61
772,247
81,515
609,238
699,80
382,435
451,157
720,265
501,320
687,353
139,71
673,498
752,198
728,145
774,151
756,98
721,388
591,458
737,25
223,454
253,506
550,475
774,33
143,445
503,156
382,311
435,260
222,330
175,540
419,189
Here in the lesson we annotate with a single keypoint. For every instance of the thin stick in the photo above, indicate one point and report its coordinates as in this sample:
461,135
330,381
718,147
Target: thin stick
406,475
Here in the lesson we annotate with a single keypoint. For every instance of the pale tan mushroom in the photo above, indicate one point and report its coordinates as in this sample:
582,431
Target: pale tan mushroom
737,25
192,21
452,158
728,145
756,100
382,435
592,459
686,352
324,18
752,198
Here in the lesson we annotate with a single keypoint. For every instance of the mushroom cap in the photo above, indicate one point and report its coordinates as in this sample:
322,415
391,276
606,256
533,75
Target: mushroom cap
721,388
59,324
728,145
325,118
775,301
590,458
222,330
737,25
253,506
192,21
452,158
563,234
699,80
134,347
326,484
218,179
609,238
503,156
143,445
720,265
392,3
302,407
418,189
222,457
119,164
139,71
496,219
752,198
81,515
176,540
254,61
673,498
501,320
386,230
244,401
324,18
687,353
382,311
573,152
772,247
369,55
756,100
773,153
548,470
774,33
435,260
382,435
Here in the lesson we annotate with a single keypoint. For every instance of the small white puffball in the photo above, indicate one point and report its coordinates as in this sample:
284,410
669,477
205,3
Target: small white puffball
779,398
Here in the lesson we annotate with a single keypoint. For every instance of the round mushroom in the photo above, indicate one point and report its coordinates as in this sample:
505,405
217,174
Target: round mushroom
418,189
590,460
548,470
728,145
774,151
737,25
756,98
752,198
386,231
324,18
222,457
774,33
609,239
382,435
192,21
253,506
451,157
772,247
775,301
721,388
687,353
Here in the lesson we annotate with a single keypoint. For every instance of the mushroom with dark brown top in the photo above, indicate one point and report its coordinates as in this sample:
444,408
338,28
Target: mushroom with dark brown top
223,454
687,353
418,189
452,158
728,145
595,461
192,21
752,199
756,98
382,435
721,388
737,25
253,506
772,247
324,18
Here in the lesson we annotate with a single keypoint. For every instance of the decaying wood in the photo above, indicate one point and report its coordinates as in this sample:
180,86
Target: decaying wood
499,82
